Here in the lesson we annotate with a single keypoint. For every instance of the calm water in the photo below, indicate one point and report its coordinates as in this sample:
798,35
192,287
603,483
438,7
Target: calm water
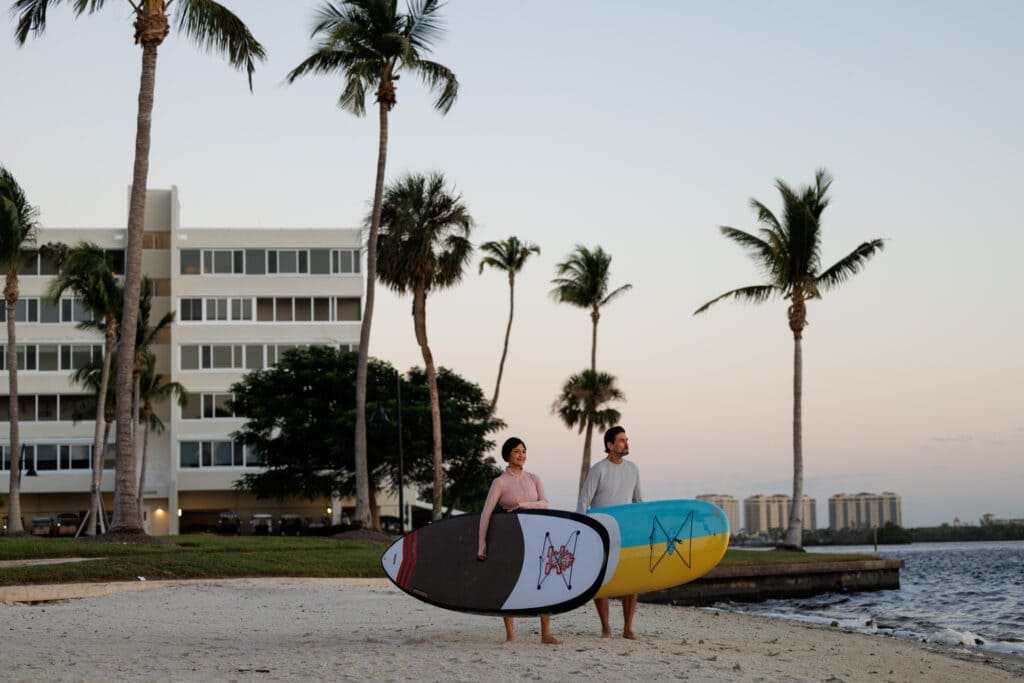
956,593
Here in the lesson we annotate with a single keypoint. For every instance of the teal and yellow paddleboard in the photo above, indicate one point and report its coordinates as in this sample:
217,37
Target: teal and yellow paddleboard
660,544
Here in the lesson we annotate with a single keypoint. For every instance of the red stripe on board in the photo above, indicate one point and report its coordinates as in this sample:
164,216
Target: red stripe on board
408,560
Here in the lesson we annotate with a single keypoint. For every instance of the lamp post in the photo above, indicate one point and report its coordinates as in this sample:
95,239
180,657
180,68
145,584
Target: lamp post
380,416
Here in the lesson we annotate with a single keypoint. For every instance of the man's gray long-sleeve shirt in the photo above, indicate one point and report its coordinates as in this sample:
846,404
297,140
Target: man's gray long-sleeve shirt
610,484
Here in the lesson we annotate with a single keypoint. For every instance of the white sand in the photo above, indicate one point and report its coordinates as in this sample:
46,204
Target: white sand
361,630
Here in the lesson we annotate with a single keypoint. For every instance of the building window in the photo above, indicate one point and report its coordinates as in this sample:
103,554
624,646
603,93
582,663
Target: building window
214,453
344,261
190,260
43,407
208,406
25,311
191,309
72,311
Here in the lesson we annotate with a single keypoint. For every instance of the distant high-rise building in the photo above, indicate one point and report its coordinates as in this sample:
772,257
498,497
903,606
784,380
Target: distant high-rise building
864,510
729,504
762,513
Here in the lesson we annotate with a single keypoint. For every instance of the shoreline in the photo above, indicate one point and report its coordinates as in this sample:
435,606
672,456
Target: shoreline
362,629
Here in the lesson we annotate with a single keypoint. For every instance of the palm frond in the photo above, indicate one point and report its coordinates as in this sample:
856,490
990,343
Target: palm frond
217,29
616,293
755,294
849,265
441,80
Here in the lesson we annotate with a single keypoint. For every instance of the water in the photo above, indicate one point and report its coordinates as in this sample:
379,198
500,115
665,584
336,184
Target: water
955,593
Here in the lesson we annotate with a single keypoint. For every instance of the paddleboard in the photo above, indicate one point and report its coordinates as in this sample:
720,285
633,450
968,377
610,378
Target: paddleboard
660,544
538,562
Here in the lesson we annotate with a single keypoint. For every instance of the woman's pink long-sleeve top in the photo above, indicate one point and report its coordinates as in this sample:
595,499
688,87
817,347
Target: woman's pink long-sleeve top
523,489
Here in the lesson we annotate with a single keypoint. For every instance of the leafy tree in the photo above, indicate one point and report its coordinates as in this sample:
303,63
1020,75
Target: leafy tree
582,280
509,255
582,404
424,247
467,420
213,27
19,224
300,417
87,271
788,252
370,43
153,388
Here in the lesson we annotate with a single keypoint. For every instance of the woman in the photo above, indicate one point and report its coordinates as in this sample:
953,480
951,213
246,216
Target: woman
514,490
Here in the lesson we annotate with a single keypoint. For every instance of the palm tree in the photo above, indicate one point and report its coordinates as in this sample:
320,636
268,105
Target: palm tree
369,43
509,255
211,26
90,377
582,280
145,337
87,271
789,254
424,247
153,388
582,403
19,223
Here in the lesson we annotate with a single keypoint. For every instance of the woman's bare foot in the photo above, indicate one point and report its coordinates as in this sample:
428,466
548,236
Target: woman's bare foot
606,633
550,640
629,635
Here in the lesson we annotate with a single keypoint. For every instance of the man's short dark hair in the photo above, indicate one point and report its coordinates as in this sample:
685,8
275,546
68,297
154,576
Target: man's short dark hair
609,436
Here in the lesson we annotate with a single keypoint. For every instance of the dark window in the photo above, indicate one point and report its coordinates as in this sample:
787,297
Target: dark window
255,262
189,454
116,259
191,309
189,261
320,261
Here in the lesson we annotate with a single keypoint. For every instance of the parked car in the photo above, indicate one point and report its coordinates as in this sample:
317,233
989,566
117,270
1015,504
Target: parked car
262,524
42,526
229,523
289,525
320,527
66,524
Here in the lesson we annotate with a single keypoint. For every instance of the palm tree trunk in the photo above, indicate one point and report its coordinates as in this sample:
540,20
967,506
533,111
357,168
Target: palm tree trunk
14,525
419,314
126,515
588,441
362,511
145,453
794,534
99,434
508,333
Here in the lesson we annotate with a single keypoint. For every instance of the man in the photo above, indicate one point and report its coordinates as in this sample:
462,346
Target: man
613,481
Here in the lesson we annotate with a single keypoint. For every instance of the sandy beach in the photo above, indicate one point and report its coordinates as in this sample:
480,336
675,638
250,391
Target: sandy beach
360,630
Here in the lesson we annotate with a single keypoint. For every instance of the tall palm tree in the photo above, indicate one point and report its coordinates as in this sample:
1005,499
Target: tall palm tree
87,271
153,388
509,255
788,252
369,43
211,26
424,247
582,280
19,224
582,403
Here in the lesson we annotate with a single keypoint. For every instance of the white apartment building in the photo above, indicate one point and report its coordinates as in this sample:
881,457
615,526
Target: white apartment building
242,297
729,505
864,510
762,513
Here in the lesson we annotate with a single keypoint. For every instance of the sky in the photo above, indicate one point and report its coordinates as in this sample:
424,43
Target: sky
642,128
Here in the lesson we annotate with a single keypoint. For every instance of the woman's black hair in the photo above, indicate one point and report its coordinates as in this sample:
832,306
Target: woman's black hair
510,443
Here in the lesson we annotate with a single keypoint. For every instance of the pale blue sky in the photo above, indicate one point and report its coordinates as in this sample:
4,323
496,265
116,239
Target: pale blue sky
642,128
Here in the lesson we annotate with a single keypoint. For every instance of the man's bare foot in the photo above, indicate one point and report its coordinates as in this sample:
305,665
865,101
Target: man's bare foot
509,641
550,640
629,635
606,632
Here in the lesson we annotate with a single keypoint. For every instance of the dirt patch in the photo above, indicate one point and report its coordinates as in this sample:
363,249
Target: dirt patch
365,535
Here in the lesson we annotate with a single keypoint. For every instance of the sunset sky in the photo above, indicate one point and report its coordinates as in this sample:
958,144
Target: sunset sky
640,127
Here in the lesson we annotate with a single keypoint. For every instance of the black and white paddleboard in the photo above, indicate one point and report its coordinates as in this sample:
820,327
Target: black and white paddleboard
538,562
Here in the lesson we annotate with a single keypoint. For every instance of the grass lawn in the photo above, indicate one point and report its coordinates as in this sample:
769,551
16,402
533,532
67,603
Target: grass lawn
207,556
